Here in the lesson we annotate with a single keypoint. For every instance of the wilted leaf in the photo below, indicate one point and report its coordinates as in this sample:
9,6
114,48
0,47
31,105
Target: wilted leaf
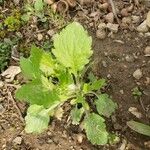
72,47
37,119
139,127
104,105
95,129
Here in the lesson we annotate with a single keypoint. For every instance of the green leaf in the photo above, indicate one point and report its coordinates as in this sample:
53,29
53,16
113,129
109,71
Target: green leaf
38,91
39,5
95,129
76,114
104,105
97,84
37,119
139,127
40,62
72,47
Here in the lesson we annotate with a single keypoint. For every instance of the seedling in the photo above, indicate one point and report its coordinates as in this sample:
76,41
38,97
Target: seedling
35,9
136,92
57,77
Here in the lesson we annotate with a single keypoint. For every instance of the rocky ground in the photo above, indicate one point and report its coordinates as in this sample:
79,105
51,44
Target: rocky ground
121,45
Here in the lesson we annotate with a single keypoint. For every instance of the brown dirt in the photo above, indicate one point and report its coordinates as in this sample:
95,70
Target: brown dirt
62,135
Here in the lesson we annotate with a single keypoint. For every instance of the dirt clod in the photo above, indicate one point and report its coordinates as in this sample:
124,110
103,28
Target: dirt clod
17,140
137,74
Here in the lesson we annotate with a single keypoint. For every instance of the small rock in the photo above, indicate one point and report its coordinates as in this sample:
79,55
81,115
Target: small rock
2,109
147,51
147,144
129,58
101,34
109,76
39,37
104,63
135,112
80,138
142,27
102,26
113,27
137,74
51,32
16,2
103,6
109,17
1,84
148,19
18,140
147,82
135,19
126,20
124,12
121,91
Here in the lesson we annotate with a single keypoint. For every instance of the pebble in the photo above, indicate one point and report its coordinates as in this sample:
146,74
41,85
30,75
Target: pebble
124,12
109,17
147,51
101,34
121,91
103,6
135,112
142,27
18,140
126,20
39,37
80,138
135,19
148,19
113,27
137,74
2,109
16,2
51,32
104,63
1,84
102,26
129,58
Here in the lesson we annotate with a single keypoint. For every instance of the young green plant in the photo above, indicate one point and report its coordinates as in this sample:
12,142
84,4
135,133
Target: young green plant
57,77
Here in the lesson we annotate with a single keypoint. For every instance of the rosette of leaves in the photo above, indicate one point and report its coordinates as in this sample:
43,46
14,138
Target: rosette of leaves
58,77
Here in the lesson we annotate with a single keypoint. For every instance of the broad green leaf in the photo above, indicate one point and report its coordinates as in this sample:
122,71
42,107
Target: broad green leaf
72,47
105,106
76,114
139,127
98,84
38,91
37,119
38,5
95,85
40,62
95,129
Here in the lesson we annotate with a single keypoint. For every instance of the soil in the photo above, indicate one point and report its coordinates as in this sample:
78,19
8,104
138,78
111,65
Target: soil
64,136
116,58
